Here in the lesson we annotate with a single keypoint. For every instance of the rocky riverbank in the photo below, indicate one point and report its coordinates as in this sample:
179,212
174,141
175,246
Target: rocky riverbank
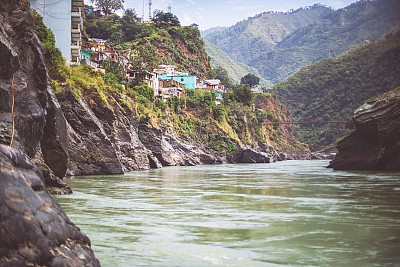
35,231
375,144
68,134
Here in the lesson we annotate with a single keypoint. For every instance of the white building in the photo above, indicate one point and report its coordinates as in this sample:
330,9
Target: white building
65,19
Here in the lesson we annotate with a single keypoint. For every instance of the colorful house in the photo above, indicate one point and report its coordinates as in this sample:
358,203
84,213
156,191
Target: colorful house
212,85
184,78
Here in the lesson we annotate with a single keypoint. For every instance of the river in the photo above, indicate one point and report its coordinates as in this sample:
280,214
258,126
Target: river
293,213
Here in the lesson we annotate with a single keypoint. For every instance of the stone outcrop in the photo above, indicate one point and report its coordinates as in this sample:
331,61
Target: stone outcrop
170,151
250,155
375,143
34,230
39,121
90,150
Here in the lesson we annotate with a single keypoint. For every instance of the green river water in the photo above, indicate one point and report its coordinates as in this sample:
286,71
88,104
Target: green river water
293,213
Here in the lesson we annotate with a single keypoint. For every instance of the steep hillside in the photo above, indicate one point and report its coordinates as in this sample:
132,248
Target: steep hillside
180,46
358,23
235,69
332,89
112,129
163,41
247,40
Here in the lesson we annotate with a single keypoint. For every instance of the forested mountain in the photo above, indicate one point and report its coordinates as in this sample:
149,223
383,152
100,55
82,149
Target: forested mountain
249,39
306,35
332,89
235,69
360,22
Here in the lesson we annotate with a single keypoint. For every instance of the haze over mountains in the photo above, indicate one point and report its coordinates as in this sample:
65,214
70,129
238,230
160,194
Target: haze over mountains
279,44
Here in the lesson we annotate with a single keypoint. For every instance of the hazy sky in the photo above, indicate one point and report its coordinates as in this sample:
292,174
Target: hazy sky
212,13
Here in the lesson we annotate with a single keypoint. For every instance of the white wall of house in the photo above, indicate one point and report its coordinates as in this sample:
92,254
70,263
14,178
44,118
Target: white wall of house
57,16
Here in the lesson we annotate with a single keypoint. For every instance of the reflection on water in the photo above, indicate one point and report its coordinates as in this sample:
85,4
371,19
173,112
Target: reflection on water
294,213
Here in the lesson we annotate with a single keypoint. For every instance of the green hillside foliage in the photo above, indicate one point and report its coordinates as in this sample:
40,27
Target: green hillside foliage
164,40
54,59
332,89
235,69
195,117
247,40
360,22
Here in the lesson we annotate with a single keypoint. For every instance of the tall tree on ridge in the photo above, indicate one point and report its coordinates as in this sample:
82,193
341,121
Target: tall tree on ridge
109,6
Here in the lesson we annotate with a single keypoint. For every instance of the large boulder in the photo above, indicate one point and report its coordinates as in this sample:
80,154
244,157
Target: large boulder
250,155
375,143
35,231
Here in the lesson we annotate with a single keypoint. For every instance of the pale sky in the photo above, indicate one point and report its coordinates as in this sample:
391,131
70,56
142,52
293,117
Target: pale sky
213,13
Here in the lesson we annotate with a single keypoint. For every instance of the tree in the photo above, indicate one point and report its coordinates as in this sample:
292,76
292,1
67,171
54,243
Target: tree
242,93
165,18
144,58
222,75
130,25
109,6
250,79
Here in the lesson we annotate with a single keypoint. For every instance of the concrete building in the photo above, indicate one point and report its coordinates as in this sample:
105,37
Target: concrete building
65,19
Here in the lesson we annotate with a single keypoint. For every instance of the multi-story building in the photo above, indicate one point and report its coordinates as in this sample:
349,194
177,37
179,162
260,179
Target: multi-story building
65,19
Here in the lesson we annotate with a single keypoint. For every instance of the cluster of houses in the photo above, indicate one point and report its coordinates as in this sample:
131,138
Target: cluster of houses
165,79
65,19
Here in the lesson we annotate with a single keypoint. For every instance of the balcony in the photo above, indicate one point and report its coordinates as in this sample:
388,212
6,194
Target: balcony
77,3
76,35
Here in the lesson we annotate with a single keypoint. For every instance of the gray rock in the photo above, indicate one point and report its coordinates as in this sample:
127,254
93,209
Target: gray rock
39,123
90,150
250,155
34,229
375,143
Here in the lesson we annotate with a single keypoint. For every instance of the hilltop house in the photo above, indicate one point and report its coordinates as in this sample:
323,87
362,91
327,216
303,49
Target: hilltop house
213,85
65,19
165,80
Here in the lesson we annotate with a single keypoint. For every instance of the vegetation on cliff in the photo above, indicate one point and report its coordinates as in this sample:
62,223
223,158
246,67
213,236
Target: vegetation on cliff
332,89
243,120
54,59
164,40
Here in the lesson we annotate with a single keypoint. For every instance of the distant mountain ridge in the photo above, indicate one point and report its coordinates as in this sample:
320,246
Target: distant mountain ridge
332,89
278,45
235,69
260,34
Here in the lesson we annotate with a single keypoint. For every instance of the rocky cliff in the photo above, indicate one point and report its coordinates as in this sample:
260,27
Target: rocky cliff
39,122
375,144
34,229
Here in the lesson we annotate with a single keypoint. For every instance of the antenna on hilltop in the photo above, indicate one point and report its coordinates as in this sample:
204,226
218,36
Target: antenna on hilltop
143,12
169,8
150,3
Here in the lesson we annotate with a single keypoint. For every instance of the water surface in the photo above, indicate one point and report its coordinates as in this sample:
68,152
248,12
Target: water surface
294,213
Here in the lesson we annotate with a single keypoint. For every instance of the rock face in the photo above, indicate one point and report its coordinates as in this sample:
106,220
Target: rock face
375,144
34,229
172,152
250,155
39,122
102,140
